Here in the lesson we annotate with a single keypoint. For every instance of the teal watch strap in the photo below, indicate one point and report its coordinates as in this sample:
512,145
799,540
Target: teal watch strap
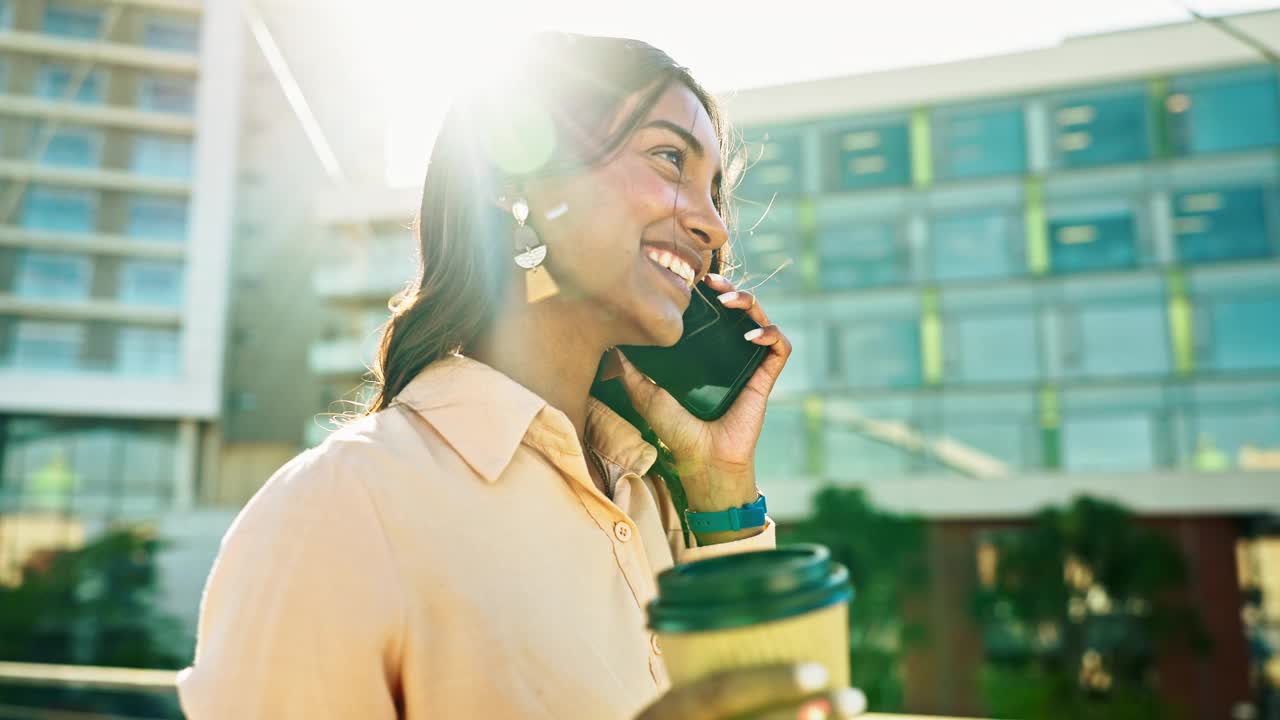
751,515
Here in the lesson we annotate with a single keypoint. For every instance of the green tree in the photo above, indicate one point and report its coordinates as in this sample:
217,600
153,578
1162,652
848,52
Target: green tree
95,605
1082,602
885,555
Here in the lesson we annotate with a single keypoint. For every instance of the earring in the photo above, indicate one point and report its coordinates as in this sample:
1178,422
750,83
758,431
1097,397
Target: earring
530,254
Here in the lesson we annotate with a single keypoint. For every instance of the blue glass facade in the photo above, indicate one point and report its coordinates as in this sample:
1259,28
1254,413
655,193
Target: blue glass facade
171,33
980,142
58,209
1221,224
72,21
157,218
871,156
1104,127
1104,241
1044,314
1222,112
977,244
54,82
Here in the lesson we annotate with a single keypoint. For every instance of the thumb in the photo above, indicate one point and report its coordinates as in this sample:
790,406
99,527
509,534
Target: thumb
654,404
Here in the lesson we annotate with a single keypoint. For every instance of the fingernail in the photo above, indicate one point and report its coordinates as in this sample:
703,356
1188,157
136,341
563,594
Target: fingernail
850,701
728,297
811,677
753,334
716,278
819,709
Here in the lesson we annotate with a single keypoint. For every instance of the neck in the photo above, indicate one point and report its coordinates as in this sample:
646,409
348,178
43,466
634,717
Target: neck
549,348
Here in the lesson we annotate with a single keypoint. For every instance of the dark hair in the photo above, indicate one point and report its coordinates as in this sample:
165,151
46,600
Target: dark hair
549,113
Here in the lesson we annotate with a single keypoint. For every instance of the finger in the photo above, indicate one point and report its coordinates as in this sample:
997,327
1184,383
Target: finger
771,367
650,400
739,692
741,300
836,705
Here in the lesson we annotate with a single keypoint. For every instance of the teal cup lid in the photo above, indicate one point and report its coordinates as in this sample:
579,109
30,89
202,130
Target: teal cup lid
748,588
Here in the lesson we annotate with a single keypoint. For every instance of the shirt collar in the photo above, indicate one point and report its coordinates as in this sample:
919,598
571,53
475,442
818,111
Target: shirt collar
485,416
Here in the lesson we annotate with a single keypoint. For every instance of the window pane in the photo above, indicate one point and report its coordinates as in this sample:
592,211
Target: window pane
61,276
1224,224
161,157
94,466
1090,130
872,157
881,354
776,165
53,81
147,351
862,256
1230,111
763,246
6,13
1011,442
165,94
1093,242
1117,340
1113,442
991,347
782,450
860,439
45,208
980,143
150,457
151,282
68,146
1242,438
1244,333
156,218
983,244
47,345
95,462
75,21
178,34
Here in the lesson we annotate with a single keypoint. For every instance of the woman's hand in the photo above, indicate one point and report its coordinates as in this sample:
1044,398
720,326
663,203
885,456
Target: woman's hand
775,692
716,460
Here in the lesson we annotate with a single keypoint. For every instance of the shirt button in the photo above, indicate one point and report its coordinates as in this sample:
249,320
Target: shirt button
622,531
653,643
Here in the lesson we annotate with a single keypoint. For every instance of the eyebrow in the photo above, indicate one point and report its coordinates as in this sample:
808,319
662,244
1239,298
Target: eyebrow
693,142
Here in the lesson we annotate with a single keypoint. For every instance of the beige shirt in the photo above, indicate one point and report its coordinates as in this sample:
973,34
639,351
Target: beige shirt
449,557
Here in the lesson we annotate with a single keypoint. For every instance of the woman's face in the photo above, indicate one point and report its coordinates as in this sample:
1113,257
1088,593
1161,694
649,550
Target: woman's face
629,238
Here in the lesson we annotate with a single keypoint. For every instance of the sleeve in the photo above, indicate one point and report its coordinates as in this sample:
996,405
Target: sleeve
302,612
682,552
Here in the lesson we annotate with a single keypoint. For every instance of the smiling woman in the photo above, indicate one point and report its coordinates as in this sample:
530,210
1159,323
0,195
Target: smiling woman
484,542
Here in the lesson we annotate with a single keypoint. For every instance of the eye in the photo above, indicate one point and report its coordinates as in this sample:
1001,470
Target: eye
675,155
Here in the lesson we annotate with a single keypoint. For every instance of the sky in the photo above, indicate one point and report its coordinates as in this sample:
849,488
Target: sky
729,45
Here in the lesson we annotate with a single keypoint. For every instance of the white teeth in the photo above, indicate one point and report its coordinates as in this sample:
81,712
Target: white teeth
671,262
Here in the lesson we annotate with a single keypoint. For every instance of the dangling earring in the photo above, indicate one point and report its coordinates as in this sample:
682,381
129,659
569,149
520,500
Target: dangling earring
530,253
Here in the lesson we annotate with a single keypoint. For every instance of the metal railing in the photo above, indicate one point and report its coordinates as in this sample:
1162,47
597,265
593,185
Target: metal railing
143,681
83,677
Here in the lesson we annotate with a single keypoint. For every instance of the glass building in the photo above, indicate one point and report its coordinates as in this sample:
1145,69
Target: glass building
1075,280
118,131
1017,280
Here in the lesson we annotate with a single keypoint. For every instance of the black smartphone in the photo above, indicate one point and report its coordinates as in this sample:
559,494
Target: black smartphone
711,363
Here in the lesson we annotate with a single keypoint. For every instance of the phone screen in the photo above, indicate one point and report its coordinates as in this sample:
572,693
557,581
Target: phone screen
707,368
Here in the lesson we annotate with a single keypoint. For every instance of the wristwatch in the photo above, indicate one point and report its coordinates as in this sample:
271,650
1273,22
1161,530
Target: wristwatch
751,515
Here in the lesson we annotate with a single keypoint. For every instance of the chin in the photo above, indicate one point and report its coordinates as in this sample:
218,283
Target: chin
660,329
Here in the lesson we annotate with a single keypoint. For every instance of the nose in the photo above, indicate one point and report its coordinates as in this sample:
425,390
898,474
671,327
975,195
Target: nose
702,220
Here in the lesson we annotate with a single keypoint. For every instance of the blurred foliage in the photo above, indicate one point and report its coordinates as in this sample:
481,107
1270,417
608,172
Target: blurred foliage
95,605
1082,603
887,561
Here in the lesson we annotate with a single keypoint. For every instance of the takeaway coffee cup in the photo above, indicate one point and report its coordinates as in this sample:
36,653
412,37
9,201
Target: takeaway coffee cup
756,608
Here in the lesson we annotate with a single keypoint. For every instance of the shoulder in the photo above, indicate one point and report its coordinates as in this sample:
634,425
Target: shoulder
332,478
